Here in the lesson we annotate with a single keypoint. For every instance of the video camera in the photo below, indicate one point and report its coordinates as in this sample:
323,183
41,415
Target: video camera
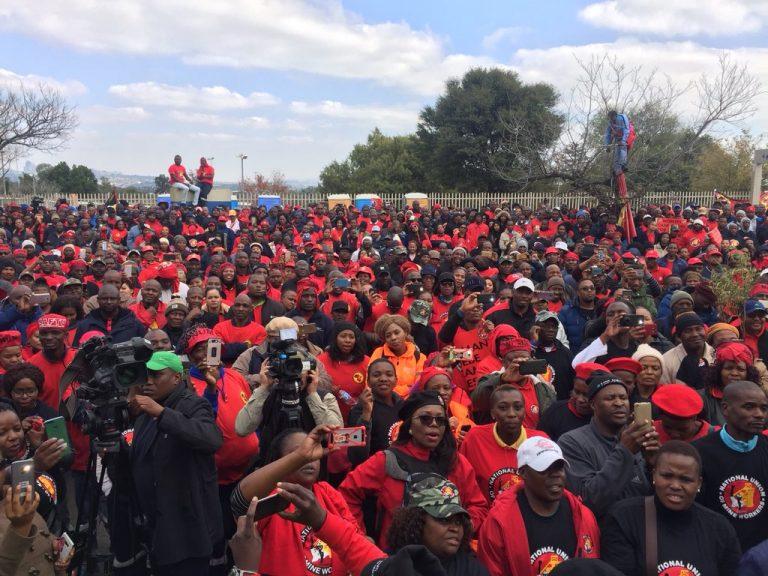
287,362
105,372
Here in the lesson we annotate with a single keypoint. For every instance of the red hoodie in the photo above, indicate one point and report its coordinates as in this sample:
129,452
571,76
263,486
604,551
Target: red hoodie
503,543
491,362
371,479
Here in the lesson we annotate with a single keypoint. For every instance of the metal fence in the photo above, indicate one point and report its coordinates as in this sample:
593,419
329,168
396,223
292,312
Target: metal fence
460,200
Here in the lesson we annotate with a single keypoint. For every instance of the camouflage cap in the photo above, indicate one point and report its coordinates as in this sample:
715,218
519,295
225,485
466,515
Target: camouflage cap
436,496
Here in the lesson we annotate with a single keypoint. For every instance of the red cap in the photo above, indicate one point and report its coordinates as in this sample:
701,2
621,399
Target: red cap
571,256
628,255
713,250
147,248
678,400
10,338
365,270
408,266
513,344
551,250
202,334
193,257
222,218
750,208
584,370
651,254
692,261
625,364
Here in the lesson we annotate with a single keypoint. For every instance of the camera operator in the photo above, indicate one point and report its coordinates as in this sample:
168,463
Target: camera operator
316,404
173,468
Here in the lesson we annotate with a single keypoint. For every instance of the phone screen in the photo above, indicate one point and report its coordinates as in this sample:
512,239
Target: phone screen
213,355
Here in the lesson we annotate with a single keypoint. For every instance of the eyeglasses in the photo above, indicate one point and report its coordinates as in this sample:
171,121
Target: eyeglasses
25,393
429,420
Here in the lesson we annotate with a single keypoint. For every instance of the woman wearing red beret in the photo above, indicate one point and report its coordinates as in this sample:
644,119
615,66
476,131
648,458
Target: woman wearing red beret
733,361
679,407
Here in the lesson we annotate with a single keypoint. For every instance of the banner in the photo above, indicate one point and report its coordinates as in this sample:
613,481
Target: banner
664,224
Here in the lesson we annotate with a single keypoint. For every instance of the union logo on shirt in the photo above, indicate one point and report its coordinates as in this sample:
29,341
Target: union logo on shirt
677,568
742,497
546,559
318,558
503,479
358,377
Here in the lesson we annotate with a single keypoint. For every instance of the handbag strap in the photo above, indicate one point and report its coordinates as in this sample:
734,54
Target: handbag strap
651,538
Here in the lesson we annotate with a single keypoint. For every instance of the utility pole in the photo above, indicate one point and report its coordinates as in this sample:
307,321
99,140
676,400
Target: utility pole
243,158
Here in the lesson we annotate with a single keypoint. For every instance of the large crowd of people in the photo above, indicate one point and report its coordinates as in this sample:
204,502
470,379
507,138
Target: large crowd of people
532,390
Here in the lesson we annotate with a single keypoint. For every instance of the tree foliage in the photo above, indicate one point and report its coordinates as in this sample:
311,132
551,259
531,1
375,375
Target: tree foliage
261,184
75,180
461,138
161,183
725,165
382,164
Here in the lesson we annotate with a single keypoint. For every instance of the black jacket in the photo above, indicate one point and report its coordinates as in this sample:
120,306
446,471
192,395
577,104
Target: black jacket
174,471
271,309
124,326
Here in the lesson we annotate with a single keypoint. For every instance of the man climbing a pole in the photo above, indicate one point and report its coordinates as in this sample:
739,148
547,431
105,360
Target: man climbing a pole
619,137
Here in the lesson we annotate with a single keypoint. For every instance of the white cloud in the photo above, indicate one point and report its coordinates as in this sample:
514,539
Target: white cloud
394,117
319,37
195,117
295,126
13,81
682,62
206,98
687,18
293,139
108,114
257,122
503,35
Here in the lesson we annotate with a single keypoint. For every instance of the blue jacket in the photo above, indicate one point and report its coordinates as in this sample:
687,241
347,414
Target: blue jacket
12,319
620,126
123,327
574,319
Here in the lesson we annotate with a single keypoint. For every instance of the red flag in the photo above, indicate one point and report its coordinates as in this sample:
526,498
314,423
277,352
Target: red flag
627,222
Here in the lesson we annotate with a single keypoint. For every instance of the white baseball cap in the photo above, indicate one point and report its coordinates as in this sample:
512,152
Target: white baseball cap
561,246
524,283
699,221
539,453
28,243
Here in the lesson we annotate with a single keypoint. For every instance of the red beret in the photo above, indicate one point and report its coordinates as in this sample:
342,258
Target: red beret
10,338
651,254
626,364
77,264
585,369
408,266
571,256
551,250
678,400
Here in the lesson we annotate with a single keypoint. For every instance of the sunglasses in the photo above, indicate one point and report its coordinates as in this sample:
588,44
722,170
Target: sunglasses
429,420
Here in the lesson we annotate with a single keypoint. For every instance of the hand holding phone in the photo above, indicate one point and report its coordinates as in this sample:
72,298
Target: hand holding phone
643,412
213,353
23,476
347,438
57,428
532,367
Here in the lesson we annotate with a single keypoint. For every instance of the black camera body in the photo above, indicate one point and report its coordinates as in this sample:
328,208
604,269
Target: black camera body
287,362
102,407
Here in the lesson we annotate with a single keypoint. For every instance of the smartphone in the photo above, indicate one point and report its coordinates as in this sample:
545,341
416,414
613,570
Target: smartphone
414,289
347,438
341,283
169,257
533,366
631,320
466,428
461,354
128,269
104,247
57,428
306,329
23,473
272,504
66,546
40,299
643,412
486,300
213,353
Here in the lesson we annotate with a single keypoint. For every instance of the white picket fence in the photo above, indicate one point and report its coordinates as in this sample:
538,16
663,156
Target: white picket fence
460,200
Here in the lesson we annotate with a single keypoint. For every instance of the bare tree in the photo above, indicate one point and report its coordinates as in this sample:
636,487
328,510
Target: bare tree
653,102
34,119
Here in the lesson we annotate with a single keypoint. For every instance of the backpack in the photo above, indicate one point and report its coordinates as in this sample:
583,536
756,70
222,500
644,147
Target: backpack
632,136
410,470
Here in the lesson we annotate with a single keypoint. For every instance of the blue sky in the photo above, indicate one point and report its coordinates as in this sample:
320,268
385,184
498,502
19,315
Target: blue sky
295,84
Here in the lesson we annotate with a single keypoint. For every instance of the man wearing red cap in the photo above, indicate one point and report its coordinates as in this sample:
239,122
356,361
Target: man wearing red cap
54,357
679,406
652,263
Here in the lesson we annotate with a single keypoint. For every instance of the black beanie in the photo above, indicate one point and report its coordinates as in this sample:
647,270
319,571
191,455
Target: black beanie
416,401
412,560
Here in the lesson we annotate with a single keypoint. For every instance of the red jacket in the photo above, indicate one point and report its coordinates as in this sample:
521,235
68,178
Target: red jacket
503,543
371,479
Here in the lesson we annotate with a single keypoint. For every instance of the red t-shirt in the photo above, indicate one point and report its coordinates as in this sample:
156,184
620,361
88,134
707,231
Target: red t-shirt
294,549
495,463
177,173
346,376
53,372
351,301
252,333
205,174
237,452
